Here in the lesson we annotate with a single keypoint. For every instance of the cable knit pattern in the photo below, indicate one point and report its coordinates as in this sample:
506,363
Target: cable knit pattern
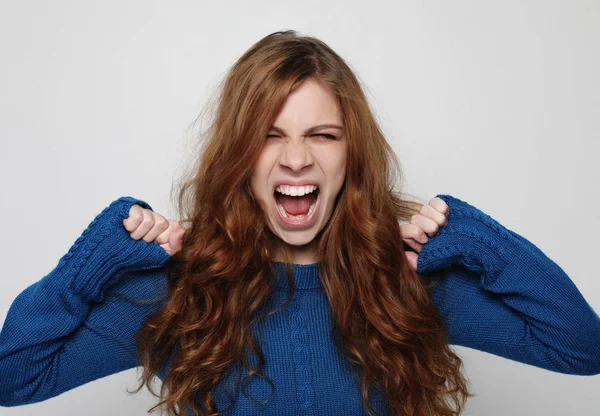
471,236
501,294
298,330
88,241
114,251
496,291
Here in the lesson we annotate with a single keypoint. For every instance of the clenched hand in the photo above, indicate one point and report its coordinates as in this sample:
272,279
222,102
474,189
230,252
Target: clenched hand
145,224
431,217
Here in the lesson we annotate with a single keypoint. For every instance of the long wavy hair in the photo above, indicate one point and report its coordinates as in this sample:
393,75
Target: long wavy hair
384,320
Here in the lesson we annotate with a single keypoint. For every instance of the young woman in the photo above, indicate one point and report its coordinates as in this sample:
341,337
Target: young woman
290,286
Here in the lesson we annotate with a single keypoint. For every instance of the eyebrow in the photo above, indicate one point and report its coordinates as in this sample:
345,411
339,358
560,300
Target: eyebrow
310,130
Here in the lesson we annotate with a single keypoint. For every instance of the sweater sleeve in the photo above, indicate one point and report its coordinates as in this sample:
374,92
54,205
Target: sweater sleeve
78,323
499,293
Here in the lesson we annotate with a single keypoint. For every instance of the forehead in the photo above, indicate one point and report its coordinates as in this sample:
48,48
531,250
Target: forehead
309,104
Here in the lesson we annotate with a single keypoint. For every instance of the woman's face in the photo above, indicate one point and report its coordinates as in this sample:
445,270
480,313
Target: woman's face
299,155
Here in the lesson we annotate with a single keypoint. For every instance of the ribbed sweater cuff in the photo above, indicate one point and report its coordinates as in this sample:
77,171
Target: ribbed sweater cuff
471,238
105,251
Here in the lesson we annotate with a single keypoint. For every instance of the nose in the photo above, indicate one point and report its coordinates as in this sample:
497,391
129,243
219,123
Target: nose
296,155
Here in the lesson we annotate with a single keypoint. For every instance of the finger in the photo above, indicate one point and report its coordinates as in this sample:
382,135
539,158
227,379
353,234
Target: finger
160,225
411,231
145,225
426,224
414,245
163,238
134,219
440,205
432,213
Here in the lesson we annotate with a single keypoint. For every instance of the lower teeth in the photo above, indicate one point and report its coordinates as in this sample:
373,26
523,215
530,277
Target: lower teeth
296,217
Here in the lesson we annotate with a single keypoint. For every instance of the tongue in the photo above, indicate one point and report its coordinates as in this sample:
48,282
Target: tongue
296,205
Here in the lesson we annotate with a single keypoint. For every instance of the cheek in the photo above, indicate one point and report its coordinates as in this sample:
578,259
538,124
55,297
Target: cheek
333,162
256,181
259,177
341,171
340,161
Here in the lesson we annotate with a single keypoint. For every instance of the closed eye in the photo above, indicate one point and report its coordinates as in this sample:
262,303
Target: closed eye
327,136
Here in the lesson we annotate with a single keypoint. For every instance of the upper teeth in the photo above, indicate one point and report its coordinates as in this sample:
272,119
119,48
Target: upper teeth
296,190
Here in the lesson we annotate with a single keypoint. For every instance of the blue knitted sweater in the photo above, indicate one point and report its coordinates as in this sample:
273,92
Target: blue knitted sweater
498,293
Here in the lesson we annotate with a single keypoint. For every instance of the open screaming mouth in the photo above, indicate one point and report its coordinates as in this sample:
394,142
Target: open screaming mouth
296,203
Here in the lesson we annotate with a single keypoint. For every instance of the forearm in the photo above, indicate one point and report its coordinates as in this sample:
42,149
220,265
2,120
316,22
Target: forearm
503,295
48,343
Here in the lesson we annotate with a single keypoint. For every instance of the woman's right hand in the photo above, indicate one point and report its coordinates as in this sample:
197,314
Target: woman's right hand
145,224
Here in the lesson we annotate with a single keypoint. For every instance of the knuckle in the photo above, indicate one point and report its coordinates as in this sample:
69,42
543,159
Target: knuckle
135,214
161,221
443,206
148,218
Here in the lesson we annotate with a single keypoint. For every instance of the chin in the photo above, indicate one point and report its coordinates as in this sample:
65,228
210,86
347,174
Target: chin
297,238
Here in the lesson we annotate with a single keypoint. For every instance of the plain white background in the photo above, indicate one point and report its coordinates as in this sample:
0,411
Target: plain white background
496,103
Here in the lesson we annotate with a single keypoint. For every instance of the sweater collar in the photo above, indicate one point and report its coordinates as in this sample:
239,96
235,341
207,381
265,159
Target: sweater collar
306,276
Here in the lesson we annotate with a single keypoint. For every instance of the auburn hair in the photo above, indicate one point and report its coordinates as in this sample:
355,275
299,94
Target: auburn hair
384,320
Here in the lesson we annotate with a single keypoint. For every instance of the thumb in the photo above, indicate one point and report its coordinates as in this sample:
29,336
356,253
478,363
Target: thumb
176,239
412,258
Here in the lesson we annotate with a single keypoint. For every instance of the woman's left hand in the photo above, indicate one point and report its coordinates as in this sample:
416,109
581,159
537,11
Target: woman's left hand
427,223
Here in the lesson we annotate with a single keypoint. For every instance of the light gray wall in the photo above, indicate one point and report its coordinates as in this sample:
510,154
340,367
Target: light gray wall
495,102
